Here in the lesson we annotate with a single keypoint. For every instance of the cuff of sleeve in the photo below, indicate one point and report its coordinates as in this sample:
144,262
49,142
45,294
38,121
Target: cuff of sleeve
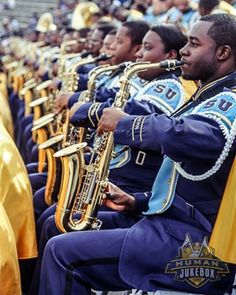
73,99
129,130
81,115
141,201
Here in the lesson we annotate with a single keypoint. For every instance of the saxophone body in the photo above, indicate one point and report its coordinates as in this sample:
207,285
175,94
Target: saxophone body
61,130
51,146
90,196
42,129
72,157
72,161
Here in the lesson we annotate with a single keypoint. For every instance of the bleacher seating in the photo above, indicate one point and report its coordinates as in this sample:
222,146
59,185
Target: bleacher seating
24,10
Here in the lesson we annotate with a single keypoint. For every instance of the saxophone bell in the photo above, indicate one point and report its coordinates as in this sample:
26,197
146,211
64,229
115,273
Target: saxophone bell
54,169
72,159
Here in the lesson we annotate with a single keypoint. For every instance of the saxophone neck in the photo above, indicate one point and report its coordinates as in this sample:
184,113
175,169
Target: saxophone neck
94,75
138,67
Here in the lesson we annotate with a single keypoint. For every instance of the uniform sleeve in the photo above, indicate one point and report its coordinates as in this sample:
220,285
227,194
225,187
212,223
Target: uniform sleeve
135,107
191,137
82,82
89,114
104,93
141,201
73,99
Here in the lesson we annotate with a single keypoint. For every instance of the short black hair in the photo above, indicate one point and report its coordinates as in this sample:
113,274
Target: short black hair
112,32
105,29
208,4
137,30
172,37
223,29
83,32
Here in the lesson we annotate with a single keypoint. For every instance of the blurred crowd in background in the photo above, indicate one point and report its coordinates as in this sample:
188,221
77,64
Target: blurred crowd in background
70,15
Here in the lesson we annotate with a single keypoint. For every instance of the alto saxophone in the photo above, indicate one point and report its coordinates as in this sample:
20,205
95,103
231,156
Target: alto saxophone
42,127
95,180
65,135
72,157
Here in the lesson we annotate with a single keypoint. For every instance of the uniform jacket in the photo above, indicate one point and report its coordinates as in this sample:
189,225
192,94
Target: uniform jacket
196,139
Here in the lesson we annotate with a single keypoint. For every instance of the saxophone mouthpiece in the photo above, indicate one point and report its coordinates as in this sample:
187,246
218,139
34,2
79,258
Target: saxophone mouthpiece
82,40
85,54
103,56
170,64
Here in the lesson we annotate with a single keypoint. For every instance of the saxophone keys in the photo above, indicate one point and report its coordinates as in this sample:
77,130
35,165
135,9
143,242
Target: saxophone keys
89,168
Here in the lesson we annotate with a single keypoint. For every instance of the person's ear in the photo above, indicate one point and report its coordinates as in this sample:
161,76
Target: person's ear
223,52
136,48
172,54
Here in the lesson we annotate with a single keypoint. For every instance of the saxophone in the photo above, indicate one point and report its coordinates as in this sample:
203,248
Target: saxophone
95,179
42,128
50,146
72,157
72,78
65,134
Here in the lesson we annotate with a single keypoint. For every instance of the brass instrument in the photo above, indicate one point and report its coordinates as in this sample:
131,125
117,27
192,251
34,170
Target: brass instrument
39,110
95,179
26,93
19,76
88,94
43,126
72,135
77,135
72,77
64,56
73,154
45,23
83,15
39,105
54,166
63,127
72,161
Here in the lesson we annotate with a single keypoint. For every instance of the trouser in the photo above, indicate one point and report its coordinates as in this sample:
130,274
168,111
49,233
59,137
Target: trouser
38,180
110,220
75,262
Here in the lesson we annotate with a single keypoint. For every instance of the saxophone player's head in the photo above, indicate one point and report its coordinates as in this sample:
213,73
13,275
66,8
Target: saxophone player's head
106,47
128,40
160,43
95,41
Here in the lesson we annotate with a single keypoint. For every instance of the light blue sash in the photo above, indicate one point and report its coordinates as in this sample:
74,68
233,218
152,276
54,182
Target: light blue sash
221,108
163,188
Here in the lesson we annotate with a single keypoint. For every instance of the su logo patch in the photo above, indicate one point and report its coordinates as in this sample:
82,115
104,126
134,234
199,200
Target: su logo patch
166,94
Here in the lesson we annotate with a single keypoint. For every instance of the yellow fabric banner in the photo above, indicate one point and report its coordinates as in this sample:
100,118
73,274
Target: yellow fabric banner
16,196
9,268
5,113
223,238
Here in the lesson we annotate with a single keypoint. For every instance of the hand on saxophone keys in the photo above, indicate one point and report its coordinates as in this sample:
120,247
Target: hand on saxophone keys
117,199
109,120
61,102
